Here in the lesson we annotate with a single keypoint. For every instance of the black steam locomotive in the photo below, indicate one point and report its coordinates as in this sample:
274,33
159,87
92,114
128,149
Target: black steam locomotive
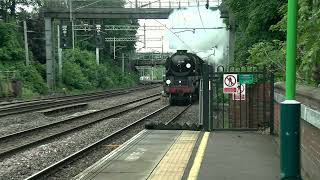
182,78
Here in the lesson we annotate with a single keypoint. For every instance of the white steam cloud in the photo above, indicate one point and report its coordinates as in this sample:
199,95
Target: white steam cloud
209,44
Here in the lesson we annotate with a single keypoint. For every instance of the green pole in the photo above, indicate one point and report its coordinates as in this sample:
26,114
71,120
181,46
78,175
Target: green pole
291,50
290,108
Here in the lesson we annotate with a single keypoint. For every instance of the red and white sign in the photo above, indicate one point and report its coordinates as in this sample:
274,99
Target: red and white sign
240,95
230,83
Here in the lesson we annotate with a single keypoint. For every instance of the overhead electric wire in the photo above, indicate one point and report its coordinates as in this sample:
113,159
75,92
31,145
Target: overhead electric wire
200,16
174,34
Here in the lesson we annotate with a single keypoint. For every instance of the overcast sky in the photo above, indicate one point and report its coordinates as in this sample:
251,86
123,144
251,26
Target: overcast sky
156,45
153,36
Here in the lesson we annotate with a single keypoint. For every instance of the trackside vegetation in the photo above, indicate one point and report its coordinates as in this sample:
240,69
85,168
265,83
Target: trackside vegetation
80,73
261,36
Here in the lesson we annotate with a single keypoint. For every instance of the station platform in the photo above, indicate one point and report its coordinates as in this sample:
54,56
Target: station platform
190,155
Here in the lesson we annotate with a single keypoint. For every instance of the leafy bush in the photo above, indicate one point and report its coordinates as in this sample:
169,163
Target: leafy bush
261,28
80,72
12,59
32,79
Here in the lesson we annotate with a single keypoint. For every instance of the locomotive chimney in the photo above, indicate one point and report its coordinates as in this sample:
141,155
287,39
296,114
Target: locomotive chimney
182,51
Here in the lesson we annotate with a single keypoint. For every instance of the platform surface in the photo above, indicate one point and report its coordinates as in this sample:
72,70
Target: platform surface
240,156
170,155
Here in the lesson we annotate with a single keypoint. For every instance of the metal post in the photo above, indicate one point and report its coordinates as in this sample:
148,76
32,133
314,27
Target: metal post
114,47
162,48
59,54
122,63
152,73
73,34
72,23
200,103
49,59
136,3
290,108
144,36
97,55
211,121
272,102
26,48
205,101
210,106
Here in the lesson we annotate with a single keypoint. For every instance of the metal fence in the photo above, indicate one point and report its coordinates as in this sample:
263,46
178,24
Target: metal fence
252,111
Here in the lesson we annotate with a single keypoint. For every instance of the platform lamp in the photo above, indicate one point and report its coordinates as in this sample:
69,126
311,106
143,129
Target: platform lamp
290,108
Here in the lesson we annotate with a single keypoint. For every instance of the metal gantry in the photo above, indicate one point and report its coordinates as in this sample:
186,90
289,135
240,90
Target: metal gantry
134,3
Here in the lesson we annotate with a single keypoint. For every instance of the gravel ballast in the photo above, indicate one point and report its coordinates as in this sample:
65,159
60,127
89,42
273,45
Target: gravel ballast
24,164
14,123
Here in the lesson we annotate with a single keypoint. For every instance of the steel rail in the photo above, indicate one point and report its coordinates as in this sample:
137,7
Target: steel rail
178,115
45,104
89,148
14,149
19,102
94,94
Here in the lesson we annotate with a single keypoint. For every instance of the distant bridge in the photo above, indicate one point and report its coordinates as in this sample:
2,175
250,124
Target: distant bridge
148,63
150,59
138,9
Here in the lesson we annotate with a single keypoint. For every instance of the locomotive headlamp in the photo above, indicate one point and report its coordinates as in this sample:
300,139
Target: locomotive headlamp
168,81
188,65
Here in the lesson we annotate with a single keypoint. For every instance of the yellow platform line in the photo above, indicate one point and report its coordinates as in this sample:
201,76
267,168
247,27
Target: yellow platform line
172,166
194,172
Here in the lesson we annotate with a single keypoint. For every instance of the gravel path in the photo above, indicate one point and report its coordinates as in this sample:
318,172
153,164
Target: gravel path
24,164
14,123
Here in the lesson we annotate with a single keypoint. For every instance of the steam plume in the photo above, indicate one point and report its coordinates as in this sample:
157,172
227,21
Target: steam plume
209,44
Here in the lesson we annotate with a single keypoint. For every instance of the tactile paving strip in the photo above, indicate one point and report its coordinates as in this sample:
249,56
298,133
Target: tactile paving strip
172,166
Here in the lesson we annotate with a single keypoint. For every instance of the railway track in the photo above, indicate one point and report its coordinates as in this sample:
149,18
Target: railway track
35,105
175,118
12,143
77,155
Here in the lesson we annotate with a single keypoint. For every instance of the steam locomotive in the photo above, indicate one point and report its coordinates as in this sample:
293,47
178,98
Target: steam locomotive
182,78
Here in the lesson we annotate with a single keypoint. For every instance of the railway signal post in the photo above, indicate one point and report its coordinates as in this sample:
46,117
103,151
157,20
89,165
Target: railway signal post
290,108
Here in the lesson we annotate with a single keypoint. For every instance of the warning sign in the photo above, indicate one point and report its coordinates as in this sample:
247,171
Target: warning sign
229,83
240,95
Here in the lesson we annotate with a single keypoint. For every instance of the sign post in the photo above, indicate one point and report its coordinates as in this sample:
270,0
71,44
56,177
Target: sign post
290,108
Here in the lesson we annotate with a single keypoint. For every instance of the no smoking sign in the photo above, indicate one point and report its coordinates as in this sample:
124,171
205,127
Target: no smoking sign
230,83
